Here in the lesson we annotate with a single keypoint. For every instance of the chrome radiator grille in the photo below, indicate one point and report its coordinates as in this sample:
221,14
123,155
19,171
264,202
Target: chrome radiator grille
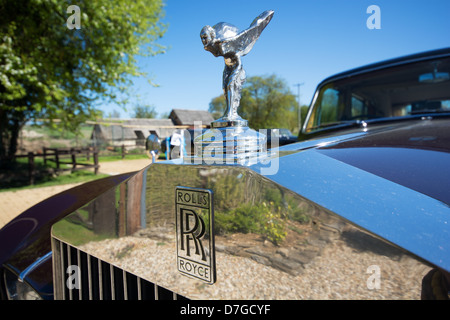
97,279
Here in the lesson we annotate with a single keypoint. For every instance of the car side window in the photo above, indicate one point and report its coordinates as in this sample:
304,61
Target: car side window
326,112
358,107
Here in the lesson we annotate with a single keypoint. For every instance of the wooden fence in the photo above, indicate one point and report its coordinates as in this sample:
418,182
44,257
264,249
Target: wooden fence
62,156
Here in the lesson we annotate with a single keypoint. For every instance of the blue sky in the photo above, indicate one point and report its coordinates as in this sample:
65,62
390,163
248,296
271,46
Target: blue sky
305,42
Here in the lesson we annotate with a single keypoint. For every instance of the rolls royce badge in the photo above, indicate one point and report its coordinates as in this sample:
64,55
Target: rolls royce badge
195,237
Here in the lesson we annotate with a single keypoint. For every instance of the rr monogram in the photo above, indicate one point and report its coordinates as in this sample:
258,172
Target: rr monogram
194,233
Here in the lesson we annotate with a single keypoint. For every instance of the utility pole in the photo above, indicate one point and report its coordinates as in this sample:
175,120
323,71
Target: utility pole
298,85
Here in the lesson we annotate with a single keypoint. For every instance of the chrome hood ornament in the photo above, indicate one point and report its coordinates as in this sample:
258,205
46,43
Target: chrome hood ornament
230,138
225,40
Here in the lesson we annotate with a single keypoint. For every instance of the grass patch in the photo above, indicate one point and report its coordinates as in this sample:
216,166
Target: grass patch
16,177
65,178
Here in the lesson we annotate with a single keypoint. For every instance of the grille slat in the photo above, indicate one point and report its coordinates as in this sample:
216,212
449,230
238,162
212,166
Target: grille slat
111,277
99,280
100,277
89,267
125,286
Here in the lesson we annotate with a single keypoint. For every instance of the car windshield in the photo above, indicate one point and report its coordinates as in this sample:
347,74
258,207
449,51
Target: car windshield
402,91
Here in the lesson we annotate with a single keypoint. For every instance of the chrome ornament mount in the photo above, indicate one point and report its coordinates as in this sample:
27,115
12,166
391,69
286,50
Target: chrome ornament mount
230,138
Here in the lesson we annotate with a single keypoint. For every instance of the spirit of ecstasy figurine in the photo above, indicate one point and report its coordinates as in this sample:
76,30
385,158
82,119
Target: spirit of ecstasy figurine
224,39
230,140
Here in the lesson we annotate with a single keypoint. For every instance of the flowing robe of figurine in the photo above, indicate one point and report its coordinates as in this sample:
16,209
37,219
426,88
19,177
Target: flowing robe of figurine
225,40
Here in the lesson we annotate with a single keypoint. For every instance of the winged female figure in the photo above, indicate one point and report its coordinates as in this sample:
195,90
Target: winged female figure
225,40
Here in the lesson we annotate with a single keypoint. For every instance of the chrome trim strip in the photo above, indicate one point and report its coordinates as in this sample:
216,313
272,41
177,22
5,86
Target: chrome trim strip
33,266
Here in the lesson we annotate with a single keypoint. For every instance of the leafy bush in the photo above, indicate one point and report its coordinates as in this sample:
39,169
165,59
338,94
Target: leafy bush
264,218
249,206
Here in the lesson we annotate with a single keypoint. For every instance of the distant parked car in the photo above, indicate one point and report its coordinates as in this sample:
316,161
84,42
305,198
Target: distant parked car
284,137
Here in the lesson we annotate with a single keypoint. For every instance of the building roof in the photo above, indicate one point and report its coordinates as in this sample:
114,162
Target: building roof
112,132
187,117
132,129
138,122
162,127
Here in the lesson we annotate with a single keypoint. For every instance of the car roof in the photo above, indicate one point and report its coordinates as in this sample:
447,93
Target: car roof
427,55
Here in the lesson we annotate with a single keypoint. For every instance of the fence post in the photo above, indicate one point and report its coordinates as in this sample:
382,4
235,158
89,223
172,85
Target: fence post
31,167
45,155
56,158
123,151
96,160
74,160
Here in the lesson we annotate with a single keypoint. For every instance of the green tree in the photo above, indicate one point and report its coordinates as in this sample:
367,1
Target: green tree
217,106
50,71
144,111
266,102
164,115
